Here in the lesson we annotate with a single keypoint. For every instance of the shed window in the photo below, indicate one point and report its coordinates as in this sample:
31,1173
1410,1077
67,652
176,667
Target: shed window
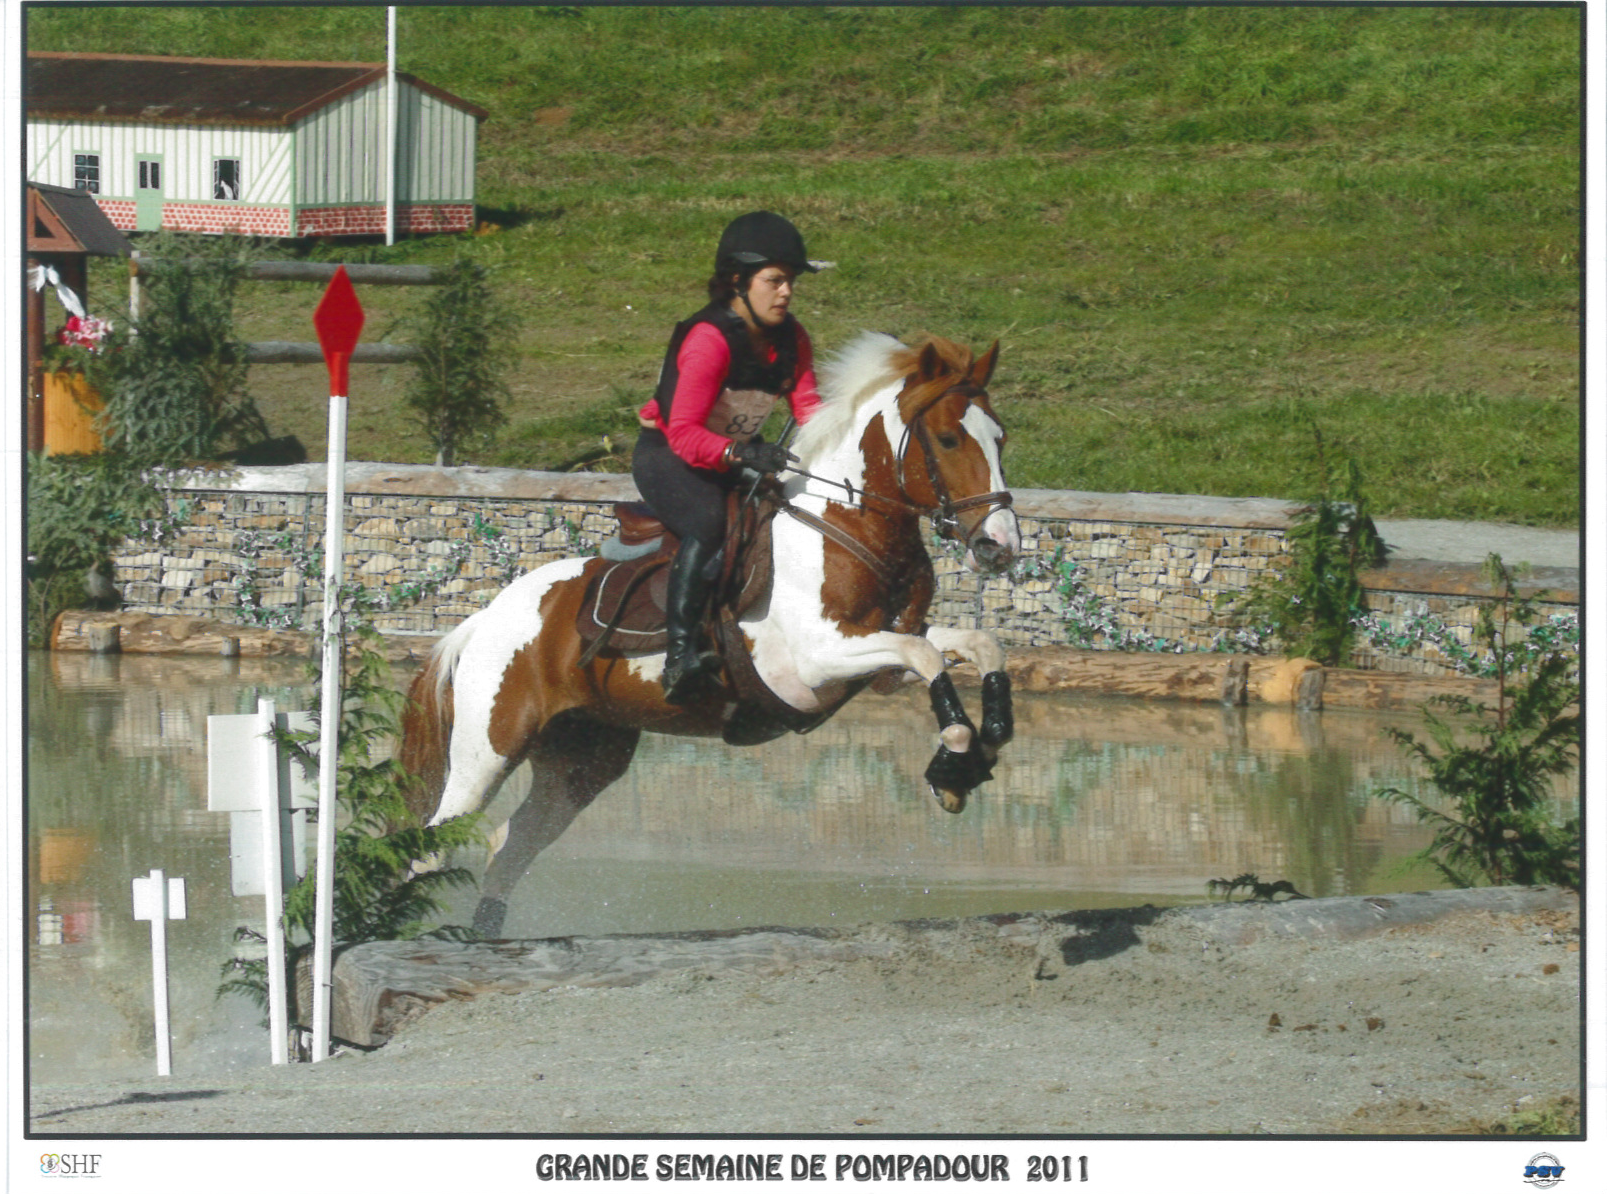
150,175
86,172
226,178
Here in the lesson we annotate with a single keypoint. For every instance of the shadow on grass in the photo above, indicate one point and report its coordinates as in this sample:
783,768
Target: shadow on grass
516,217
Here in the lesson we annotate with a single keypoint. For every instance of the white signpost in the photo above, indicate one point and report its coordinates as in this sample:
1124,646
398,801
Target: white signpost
338,321
266,796
159,900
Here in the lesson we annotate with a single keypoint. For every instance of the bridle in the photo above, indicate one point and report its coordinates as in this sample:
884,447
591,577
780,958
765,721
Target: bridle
945,514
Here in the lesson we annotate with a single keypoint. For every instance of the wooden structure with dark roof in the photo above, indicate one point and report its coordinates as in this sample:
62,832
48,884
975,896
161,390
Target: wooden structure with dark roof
259,147
65,228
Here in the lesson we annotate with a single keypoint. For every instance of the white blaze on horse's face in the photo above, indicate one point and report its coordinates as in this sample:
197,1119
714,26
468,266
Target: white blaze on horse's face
999,531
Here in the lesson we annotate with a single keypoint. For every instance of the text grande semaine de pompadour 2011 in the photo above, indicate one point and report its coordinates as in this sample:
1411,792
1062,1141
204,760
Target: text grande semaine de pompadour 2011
775,1167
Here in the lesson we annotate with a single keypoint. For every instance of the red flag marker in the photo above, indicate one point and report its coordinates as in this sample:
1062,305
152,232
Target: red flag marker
339,321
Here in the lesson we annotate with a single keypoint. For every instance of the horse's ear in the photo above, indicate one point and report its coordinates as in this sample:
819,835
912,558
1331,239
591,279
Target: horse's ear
930,363
983,369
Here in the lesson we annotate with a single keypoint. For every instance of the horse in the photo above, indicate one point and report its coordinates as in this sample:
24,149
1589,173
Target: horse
902,432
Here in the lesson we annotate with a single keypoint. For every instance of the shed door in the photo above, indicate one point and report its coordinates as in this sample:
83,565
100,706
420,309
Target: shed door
148,179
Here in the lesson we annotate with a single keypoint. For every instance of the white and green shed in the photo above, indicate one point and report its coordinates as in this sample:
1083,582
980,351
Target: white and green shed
253,147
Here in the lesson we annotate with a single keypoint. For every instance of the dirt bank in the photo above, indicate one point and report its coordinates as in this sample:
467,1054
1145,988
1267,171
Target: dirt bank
1143,1022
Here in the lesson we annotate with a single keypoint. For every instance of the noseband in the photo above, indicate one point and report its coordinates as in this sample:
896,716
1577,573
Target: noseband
946,514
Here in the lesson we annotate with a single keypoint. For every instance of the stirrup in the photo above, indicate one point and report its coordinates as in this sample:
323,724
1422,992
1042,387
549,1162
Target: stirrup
687,682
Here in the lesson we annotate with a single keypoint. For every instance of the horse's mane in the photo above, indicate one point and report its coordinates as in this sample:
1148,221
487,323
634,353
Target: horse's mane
860,371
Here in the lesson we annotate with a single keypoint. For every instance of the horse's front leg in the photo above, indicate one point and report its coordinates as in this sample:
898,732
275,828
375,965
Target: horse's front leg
963,758
982,649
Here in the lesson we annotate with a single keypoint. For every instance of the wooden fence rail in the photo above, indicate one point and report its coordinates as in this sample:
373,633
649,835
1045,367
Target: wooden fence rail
311,271
287,352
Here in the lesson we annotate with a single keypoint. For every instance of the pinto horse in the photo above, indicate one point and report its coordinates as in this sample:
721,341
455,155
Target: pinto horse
901,432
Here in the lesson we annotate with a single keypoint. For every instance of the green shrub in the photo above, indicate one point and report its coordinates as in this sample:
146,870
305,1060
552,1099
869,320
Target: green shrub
377,894
80,508
175,383
1314,604
1494,765
457,393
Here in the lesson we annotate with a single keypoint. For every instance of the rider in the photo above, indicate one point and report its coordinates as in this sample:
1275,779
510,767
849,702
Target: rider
723,371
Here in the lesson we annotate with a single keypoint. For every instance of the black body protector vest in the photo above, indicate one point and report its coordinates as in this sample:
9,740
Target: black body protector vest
752,385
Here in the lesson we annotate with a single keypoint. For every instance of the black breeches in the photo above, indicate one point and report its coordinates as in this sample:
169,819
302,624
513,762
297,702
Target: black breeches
690,501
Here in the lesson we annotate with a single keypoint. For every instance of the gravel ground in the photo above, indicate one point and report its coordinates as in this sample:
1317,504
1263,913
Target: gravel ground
1438,1027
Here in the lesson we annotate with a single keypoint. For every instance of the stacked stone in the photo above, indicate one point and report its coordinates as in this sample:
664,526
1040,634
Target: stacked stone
1167,579
1163,580
202,569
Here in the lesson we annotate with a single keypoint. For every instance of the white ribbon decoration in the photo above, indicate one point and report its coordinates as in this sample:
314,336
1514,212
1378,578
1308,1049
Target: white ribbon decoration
41,275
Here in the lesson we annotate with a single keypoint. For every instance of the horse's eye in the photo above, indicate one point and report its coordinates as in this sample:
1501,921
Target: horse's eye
948,442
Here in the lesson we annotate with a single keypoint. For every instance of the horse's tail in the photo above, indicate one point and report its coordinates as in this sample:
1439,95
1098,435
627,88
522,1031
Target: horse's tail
427,724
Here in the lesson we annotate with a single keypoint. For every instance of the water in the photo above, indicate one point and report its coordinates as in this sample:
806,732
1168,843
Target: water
1097,802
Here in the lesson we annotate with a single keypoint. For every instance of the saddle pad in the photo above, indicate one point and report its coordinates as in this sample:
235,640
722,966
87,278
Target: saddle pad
641,585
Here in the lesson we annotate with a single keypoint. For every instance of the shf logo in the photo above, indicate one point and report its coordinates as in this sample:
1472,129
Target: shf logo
1543,1170
70,1164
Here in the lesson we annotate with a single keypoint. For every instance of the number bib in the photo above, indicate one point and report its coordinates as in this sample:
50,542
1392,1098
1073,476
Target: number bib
740,414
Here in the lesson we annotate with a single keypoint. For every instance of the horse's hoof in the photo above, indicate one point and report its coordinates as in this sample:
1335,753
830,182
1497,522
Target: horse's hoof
488,916
957,771
948,800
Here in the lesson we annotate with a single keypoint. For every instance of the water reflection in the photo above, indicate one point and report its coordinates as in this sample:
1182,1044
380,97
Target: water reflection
1097,802
117,786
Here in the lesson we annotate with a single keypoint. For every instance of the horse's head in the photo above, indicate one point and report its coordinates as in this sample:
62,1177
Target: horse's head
949,460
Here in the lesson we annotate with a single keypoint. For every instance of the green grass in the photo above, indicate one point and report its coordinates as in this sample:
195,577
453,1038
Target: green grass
1195,230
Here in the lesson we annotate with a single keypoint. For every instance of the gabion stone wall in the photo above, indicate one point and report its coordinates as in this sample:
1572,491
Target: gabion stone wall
432,546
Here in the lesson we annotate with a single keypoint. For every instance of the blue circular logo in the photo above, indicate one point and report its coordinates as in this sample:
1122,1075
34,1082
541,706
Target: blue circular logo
1543,1170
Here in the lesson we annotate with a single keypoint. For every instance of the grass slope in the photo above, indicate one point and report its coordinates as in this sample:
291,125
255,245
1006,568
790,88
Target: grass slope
1197,231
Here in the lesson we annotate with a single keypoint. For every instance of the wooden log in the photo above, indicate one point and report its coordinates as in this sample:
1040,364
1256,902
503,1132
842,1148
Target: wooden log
1032,669
1308,693
381,985
186,634
103,638
1236,683
1240,922
287,352
315,271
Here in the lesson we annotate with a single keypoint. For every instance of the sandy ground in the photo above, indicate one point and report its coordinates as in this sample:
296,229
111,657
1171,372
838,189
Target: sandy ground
1163,1027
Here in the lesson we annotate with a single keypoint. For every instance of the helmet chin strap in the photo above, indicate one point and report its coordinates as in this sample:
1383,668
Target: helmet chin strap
753,316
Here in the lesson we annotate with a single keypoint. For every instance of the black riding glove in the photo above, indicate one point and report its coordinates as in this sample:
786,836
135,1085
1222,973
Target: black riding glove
761,457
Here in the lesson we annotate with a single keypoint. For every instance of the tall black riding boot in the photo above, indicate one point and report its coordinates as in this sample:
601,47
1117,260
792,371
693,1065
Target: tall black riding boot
689,669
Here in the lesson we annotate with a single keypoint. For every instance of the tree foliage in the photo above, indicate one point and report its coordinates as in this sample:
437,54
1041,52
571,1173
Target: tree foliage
1495,765
457,393
1313,604
175,383
378,896
80,508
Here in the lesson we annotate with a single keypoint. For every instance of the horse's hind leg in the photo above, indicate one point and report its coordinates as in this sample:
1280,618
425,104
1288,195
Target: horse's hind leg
574,761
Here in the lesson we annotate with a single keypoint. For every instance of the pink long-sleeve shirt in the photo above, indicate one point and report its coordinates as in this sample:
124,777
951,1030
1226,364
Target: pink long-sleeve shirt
703,362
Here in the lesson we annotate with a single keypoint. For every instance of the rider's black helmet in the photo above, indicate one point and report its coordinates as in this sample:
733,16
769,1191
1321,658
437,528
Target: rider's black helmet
757,239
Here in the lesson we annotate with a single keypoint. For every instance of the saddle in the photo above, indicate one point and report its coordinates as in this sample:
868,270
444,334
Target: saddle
623,608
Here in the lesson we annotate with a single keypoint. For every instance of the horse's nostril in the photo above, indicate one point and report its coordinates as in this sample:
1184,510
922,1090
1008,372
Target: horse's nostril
991,555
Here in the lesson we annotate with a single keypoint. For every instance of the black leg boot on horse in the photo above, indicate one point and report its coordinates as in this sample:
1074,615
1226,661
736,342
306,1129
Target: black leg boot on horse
690,669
